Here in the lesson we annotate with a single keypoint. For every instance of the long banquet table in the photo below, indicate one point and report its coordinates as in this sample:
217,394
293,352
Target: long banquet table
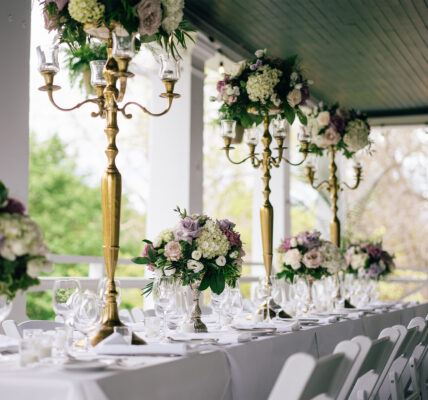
242,371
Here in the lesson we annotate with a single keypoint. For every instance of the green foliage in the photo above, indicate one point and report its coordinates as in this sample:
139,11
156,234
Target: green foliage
3,193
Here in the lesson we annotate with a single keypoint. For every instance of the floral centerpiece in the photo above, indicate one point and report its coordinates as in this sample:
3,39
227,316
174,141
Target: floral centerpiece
332,125
22,252
370,258
262,85
308,256
198,252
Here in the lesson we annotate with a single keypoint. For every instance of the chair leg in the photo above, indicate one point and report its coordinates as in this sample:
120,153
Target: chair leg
396,393
362,395
414,375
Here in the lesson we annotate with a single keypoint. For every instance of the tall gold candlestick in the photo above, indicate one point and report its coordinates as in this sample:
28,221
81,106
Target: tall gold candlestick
108,97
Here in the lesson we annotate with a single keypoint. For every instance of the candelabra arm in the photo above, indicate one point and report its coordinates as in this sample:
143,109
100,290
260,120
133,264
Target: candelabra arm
305,155
357,179
253,157
310,175
95,101
145,110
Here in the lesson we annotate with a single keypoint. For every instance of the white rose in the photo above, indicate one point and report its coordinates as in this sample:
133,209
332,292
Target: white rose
358,260
293,257
169,271
323,118
220,261
18,247
299,240
237,68
195,266
196,254
157,242
234,254
6,252
294,97
259,53
293,242
229,90
34,267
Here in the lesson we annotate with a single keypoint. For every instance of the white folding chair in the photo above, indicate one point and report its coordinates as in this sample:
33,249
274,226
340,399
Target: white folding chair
361,344
303,377
138,314
16,330
125,316
382,389
419,365
376,362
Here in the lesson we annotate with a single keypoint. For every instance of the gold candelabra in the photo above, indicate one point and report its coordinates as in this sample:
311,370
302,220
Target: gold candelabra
114,70
333,185
266,162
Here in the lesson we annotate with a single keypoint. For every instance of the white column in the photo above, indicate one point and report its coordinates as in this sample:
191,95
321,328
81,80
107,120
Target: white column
14,96
14,109
176,142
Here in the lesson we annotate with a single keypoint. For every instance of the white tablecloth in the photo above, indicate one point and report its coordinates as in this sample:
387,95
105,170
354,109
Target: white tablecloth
238,372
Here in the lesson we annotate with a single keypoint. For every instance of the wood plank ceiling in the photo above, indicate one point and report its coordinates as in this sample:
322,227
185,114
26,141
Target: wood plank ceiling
366,54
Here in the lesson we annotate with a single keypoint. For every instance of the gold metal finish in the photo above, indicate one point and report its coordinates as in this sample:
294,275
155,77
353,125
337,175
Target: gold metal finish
266,162
107,101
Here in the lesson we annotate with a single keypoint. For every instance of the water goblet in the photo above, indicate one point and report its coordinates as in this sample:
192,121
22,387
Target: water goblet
102,288
276,295
64,294
164,298
217,301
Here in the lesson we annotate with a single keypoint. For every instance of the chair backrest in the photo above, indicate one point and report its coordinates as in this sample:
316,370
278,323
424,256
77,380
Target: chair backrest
125,316
303,377
11,329
138,314
372,366
38,324
356,350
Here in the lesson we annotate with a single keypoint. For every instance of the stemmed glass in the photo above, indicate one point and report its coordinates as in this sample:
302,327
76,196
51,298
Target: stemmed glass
164,298
102,287
276,295
64,294
88,314
232,306
217,301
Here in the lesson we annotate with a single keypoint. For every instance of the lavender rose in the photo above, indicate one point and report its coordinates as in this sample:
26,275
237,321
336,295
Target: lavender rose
188,230
375,270
305,94
225,224
173,251
150,14
338,122
312,259
311,240
375,252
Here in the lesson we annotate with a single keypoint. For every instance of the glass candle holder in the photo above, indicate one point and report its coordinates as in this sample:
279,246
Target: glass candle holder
123,46
303,135
97,77
252,135
169,67
280,128
228,128
48,58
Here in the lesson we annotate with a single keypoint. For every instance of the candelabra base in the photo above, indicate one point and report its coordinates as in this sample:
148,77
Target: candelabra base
107,329
262,310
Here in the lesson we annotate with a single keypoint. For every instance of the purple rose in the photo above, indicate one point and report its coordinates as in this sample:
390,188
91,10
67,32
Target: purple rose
234,238
188,230
225,224
286,244
375,270
338,122
221,84
14,207
375,252
304,91
310,240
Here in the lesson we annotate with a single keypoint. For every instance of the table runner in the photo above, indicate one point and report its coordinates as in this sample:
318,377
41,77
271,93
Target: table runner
239,372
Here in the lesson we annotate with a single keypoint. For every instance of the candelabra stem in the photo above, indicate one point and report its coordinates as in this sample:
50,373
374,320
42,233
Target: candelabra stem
333,186
266,211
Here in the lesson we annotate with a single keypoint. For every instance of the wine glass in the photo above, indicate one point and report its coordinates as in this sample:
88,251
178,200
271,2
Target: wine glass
217,301
164,298
276,295
102,288
232,306
87,314
64,294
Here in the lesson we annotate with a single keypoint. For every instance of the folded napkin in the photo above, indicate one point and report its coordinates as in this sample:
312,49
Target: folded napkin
8,343
115,344
328,320
205,337
136,326
280,326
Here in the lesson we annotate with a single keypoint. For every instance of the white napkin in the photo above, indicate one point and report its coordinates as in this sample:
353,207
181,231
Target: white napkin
115,344
8,343
220,337
328,320
136,326
355,315
280,326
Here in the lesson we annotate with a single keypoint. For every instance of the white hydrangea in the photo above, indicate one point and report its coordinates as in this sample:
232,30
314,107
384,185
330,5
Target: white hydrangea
333,259
356,135
21,235
211,241
358,260
173,14
86,10
165,236
292,257
38,265
260,85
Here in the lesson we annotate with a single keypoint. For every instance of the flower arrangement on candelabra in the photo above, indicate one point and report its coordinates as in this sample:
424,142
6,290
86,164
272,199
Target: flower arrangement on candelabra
119,21
369,258
308,256
22,252
199,253
269,90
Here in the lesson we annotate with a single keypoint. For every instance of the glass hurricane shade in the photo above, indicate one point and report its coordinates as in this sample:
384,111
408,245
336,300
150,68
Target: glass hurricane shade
303,135
228,128
169,67
310,161
97,77
280,128
123,46
48,58
252,135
